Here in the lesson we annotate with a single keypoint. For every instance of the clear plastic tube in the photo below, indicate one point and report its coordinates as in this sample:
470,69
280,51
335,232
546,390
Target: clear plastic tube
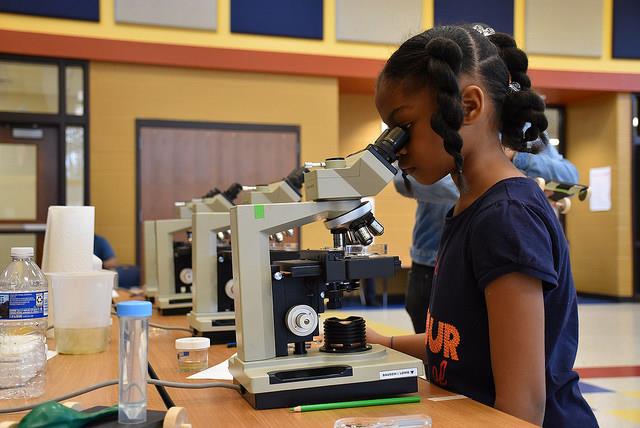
132,404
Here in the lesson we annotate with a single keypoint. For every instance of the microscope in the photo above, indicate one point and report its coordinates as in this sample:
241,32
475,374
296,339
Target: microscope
168,264
184,211
213,290
278,302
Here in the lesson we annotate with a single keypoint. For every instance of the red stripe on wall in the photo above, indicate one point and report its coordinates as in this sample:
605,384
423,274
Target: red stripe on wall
612,82
185,56
355,69
619,371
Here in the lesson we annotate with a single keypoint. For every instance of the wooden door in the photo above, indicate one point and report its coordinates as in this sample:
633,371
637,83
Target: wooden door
179,161
29,184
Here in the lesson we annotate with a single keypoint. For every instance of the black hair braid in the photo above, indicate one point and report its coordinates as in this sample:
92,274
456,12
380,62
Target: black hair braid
515,59
521,105
444,60
437,57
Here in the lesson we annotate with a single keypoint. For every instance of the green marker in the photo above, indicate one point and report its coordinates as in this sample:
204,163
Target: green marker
359,403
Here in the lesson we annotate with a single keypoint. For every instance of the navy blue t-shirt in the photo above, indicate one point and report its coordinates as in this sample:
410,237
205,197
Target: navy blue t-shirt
511,228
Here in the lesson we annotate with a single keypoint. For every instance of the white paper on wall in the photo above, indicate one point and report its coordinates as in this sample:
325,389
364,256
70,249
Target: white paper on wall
600,184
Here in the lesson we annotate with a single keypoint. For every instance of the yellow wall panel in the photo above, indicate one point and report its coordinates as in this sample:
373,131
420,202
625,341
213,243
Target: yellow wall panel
564,31
598,134
121,93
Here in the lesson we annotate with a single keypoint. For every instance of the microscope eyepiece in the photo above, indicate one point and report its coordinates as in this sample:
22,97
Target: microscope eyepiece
232,192
296,177
398,138
390,142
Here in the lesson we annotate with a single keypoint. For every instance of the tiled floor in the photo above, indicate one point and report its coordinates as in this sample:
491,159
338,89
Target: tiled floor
608,355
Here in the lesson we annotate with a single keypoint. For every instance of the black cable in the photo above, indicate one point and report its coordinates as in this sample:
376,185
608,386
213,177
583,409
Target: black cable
84,390
166,399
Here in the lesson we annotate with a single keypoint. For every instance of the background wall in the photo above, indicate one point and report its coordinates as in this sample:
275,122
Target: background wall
599,134
121,93
575,71
600,12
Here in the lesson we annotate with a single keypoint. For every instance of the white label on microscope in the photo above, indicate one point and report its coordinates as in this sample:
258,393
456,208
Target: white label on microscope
394,374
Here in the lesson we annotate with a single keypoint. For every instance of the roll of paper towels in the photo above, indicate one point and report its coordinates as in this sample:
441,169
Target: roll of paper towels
68,240
97,263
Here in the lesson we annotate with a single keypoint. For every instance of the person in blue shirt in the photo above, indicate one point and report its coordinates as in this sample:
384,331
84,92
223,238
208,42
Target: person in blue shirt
434,201
502,323
103,250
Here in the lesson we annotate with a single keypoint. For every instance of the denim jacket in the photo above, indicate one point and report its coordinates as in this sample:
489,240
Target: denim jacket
435,200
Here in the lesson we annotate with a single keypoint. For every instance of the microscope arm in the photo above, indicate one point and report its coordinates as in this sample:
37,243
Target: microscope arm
164,250
252,225
204,259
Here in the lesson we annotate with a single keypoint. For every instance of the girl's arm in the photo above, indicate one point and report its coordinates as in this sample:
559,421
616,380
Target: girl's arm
516,335
412,344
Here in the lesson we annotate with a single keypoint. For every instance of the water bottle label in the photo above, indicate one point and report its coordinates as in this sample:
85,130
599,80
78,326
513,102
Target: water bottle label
22,306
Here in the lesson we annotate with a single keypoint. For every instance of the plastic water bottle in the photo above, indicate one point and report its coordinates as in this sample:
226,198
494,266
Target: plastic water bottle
23,327
134,335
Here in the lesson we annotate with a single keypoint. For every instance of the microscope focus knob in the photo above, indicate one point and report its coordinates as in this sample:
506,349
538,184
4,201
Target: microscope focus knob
186,276
229,289
302,320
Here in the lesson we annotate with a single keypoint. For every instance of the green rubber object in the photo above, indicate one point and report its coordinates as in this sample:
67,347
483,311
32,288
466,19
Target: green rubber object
54,415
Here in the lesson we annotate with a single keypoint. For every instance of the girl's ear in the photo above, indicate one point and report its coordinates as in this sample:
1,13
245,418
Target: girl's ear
472,103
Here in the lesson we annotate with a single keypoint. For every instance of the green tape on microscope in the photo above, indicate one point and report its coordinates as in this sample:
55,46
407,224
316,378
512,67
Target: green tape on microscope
258,211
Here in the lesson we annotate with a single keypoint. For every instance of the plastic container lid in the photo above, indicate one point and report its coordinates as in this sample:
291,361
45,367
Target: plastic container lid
134,308
21,252
193,343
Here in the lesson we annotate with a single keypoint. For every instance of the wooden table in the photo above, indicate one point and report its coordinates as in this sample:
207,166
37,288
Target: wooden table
68,373
226,408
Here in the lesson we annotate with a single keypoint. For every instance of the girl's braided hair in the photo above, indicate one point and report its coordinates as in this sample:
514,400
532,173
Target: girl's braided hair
439,56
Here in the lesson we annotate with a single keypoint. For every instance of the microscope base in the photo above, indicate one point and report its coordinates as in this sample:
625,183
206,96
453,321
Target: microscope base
150,294
331,394
220,327
175,304
319,377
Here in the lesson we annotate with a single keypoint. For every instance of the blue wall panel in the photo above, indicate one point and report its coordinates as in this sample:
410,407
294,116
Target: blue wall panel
86,10
498,14
293,18
626,16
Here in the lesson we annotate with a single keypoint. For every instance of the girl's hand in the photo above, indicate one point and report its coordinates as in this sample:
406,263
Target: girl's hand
377,338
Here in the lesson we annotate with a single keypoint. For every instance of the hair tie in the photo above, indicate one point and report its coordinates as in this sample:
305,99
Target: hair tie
514,87
485,31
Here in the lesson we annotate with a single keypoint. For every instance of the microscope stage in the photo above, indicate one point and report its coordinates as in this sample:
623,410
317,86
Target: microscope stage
320,377
175,304
220,327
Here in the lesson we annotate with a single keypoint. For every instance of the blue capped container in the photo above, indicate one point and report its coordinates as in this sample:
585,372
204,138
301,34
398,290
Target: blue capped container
134,337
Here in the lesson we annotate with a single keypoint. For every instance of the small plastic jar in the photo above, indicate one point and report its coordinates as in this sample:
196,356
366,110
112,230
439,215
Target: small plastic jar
193,353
